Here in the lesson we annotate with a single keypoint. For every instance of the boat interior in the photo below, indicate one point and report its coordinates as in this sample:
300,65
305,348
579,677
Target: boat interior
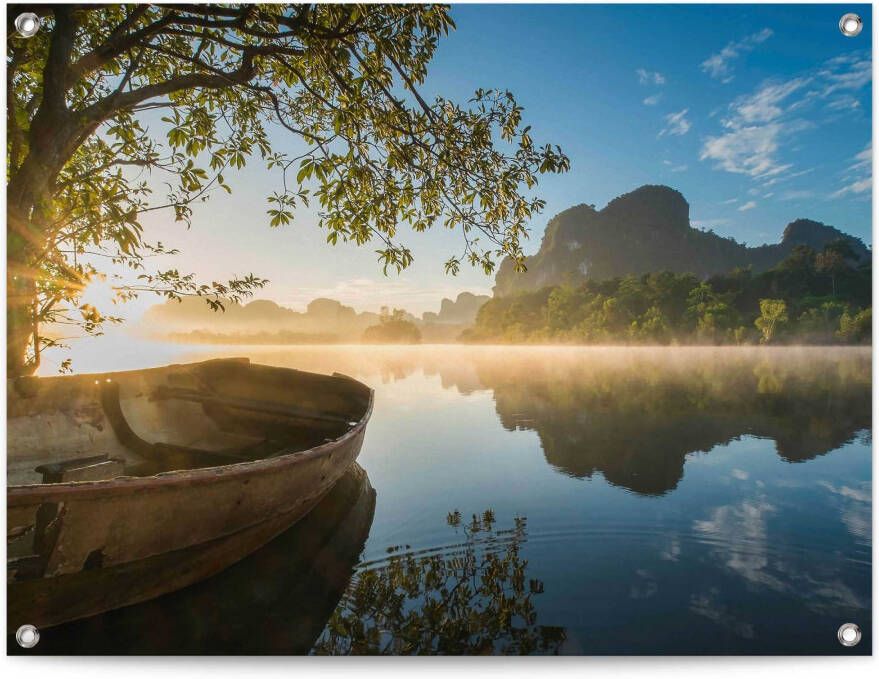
146,422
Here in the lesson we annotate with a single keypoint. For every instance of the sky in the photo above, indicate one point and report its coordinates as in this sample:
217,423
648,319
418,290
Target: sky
759,115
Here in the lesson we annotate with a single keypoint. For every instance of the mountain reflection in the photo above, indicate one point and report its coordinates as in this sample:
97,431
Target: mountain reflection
634,414
635,420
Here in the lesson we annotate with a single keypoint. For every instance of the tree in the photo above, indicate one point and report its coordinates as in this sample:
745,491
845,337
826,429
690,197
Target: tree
713,313
856,327
105,95
393,328
834,260
773,315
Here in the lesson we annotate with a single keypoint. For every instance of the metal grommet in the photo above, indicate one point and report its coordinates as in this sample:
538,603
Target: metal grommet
850,25
27,24
27,636
849,634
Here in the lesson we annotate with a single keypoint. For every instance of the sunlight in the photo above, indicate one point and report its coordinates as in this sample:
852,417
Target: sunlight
99,293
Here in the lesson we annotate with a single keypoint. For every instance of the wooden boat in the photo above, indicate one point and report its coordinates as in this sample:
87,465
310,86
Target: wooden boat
274,601
114,478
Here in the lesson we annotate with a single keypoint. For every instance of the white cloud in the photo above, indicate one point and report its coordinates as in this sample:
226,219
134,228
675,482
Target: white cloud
676,124
731,201
764,105
754,131
796,194
859,186
750,205
845,73
748,150
844,103
757,126
718,65
674,168
864,159
653,99
646,77
860,174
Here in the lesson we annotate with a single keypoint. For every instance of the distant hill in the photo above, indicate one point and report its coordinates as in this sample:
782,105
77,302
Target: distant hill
324,321
648,230
326,317
461,311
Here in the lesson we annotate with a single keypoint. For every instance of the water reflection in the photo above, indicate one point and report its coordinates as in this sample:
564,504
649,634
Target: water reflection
724,492
634,414
475,598
275,601
635,420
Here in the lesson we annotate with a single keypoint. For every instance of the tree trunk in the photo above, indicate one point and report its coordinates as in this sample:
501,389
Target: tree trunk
23,239
53,136
21,291
20,326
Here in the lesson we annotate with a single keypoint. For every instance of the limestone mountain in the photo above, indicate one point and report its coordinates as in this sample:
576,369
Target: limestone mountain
649,230
325,316
460,311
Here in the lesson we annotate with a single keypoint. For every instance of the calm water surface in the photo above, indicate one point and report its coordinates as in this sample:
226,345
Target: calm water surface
651,501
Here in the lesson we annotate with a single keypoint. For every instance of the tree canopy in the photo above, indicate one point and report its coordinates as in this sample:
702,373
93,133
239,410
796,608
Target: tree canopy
108,102
811,297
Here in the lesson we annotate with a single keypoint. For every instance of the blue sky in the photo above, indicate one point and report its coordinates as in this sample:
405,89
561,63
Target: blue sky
757,114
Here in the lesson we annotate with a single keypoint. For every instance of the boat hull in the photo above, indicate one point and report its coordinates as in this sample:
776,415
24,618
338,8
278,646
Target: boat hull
96,543
275,601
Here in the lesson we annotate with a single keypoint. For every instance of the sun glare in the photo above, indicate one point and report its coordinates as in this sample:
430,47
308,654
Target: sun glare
99,293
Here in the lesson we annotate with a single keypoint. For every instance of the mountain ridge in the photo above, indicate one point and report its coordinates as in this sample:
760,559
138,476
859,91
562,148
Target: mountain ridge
646,230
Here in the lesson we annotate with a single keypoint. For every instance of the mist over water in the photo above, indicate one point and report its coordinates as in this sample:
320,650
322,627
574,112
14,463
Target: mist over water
678,500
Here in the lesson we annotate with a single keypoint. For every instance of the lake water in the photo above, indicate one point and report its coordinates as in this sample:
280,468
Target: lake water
671,501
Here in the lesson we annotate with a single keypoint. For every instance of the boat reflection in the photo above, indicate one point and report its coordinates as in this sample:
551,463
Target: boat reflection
275,601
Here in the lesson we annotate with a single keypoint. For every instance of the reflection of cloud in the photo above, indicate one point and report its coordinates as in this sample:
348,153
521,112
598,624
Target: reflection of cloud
740,474
741,532
708,606
645,587
855,507
862,495
741,538
672,551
